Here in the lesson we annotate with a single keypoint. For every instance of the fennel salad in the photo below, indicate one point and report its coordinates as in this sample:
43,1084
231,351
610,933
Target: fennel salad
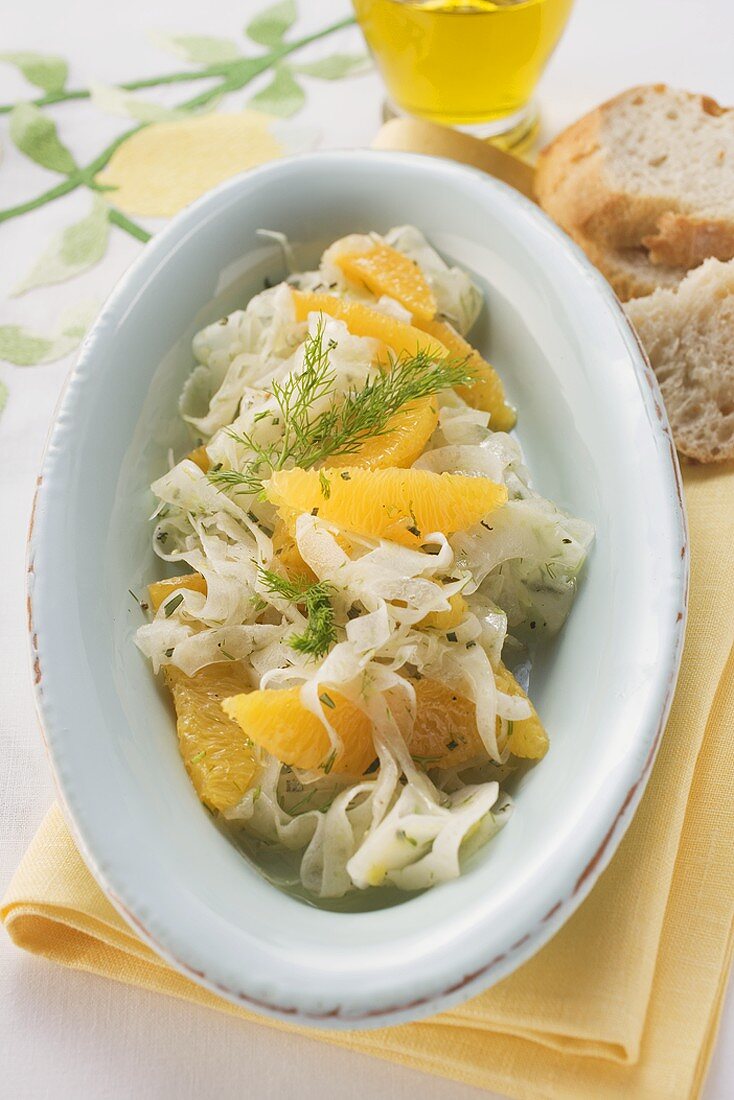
358,562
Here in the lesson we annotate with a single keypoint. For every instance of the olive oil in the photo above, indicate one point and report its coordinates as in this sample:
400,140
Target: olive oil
462,62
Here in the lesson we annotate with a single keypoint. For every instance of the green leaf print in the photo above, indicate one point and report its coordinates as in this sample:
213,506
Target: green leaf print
336,66
73,250
269,27
116,101
26,349
283,96
200,49
35,135
47,72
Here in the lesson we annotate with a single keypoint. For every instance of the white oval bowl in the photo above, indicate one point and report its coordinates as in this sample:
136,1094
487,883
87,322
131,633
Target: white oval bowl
597,442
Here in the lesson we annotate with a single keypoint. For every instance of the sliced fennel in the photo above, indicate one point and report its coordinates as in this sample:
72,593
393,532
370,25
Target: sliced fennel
402,823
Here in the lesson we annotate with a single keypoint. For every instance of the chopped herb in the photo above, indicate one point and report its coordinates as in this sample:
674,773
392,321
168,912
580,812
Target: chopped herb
533,624
133,595
567,541
256,794
327,700
402,835
225,654
452,636
325,485
414,528
510,728
260,416
216,468
171,606
161,536
314,511
373,766
346,422
169,653
345,475
302,802
452,745
470,645
320,632
329,762
199,756
486,525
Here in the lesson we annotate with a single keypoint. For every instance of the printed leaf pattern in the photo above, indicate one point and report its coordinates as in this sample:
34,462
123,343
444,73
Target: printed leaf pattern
116,101
268,28
26,349
200,49
35,135
45,71
71,251
336,66
142,171
283,96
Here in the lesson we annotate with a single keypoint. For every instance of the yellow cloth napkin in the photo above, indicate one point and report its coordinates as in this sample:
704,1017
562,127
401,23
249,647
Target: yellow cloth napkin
625,1000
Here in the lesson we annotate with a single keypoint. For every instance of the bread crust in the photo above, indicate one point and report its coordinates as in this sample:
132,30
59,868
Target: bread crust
686,240
630,271
574,186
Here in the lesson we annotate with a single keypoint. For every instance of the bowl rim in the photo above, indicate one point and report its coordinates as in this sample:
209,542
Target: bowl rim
630,784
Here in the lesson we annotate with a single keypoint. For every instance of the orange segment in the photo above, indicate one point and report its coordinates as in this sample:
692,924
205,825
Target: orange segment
219,759
279,723
487,393
403,441
445,732
447,620
361,320
285,550
201,457
527,737
384,270
158,591
401,505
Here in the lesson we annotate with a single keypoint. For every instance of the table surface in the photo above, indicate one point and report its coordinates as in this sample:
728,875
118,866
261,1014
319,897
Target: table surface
66,1034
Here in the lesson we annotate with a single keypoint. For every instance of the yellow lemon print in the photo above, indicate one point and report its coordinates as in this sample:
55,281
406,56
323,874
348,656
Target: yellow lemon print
167,165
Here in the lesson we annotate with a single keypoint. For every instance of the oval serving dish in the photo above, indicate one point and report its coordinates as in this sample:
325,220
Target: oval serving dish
595,435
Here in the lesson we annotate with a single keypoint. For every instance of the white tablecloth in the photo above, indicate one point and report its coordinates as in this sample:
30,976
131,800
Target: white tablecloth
65,1034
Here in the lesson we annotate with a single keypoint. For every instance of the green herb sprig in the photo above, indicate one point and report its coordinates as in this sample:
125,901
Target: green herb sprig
320,632
347,422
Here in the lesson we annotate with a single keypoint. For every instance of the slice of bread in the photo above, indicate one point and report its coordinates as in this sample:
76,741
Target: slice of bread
652,168
630,271
688,334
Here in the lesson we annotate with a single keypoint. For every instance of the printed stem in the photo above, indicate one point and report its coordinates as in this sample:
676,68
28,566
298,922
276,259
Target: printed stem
81,177
69,184
224,69
123,222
